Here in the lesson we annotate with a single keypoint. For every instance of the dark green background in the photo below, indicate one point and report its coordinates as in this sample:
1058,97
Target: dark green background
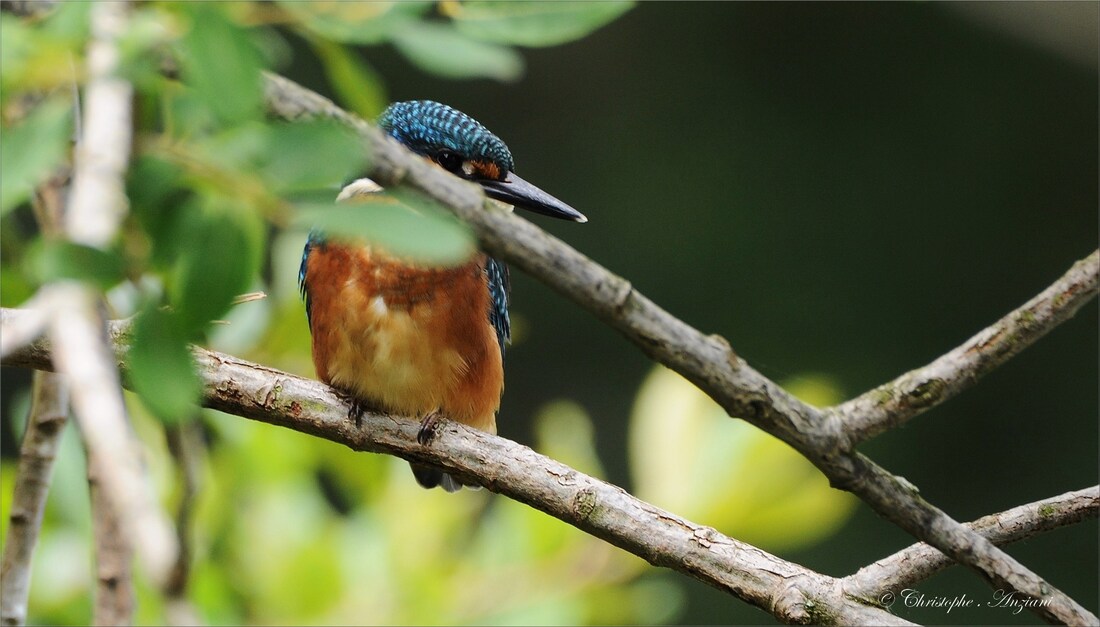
851,189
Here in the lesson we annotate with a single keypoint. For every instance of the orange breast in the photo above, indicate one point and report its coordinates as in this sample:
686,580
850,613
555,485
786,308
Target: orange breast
409,339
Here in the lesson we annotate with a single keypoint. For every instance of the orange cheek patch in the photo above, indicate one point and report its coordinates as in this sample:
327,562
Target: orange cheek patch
487,170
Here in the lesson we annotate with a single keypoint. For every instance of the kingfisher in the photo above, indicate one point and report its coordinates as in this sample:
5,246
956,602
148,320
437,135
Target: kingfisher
408,338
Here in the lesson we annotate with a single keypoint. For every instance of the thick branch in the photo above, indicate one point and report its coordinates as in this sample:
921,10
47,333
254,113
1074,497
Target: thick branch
789,591
707,361
917,391
920,561
45,424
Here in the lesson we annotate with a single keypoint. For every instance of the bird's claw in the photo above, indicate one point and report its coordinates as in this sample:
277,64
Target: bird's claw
428,427
356,409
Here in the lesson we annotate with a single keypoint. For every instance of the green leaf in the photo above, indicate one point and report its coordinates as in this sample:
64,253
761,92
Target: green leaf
50,260
311,155
31,151
355,22
219,259
158,200
38,57
533,23
17,43
442,50
148,30
359,87
222,64
425,234
70,21
161,368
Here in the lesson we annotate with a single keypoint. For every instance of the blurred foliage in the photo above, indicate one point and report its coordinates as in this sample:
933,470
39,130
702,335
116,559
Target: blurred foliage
688,457
290,529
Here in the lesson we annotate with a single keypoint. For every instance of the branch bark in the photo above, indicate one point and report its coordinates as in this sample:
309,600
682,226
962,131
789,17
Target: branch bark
114,551
45,424
920,561
706,361
790,592
893,404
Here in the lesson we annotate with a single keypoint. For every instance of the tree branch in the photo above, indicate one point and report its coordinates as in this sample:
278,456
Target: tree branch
706,361
915,392
96,206
789,591
45,424
920,561
114,550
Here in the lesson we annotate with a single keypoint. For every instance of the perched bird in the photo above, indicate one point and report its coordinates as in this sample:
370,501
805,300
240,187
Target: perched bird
407,338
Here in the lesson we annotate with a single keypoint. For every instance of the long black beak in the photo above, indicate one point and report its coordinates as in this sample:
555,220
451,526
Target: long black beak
516,191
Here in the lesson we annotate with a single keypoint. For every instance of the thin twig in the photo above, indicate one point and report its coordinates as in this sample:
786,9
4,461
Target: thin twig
894,403
186,445
45,424
706,361
920,561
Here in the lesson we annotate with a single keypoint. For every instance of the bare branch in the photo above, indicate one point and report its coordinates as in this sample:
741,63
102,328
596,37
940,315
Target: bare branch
784,589
706,361
186,445
26,329
97,204
98,198
114,552
894,403
45,424
920,561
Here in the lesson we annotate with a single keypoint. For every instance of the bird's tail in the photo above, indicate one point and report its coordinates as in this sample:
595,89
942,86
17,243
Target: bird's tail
430,477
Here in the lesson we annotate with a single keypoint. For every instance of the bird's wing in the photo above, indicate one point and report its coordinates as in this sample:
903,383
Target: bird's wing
497,274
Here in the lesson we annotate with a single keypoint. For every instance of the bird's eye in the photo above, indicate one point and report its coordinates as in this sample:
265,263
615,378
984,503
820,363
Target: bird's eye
449,160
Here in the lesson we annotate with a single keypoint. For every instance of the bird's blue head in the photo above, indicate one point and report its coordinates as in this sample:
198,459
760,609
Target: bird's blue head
462,146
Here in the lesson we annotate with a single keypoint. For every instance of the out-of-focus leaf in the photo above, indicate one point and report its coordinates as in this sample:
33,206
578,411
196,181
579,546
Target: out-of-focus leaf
69,21
16,48
157,199
50,260
218,261
443,50
39,57
222,64
311,155
32,150
161,368
565,433
360,88
532,23
150,28
687,456
423,234
14,287
235,148
355,22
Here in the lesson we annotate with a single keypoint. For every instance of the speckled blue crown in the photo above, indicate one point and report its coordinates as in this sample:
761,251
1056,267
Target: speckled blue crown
426,126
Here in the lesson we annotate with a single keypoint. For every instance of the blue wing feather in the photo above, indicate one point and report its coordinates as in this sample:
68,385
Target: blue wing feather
314,239
497,275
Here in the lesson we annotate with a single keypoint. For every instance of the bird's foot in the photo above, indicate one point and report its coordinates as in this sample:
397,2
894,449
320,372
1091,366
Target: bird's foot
428,426
356,408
